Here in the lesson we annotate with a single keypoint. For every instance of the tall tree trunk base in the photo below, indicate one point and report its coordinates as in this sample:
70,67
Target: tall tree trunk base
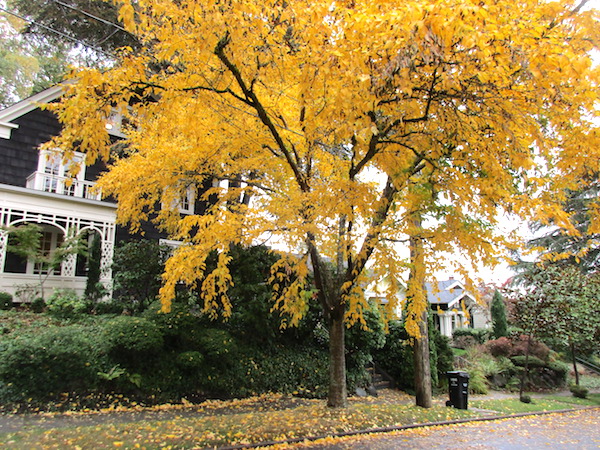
338,393
423,394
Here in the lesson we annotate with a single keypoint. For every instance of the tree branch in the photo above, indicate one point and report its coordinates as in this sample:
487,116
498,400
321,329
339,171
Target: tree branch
253,101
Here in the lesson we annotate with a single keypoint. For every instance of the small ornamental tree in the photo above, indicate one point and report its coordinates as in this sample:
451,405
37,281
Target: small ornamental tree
26,241
321,124
498,310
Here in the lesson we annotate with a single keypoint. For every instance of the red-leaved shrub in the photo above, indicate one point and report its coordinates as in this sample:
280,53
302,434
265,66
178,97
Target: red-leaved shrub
508,347
499,347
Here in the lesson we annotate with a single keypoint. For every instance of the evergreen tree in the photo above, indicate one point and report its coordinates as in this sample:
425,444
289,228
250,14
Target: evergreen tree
499,315
93,289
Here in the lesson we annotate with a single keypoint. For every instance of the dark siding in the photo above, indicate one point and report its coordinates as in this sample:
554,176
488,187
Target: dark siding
95,170
149,232
19,154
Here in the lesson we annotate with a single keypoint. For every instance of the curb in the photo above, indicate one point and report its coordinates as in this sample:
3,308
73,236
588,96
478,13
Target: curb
404,427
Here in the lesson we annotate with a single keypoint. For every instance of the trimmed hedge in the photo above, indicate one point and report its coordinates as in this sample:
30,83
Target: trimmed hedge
138,357
65,304
51,361
479,335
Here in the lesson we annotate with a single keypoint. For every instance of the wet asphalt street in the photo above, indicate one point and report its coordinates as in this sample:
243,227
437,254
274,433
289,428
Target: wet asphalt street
574,430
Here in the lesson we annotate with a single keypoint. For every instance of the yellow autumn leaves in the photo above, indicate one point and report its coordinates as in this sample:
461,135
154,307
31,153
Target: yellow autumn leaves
307,110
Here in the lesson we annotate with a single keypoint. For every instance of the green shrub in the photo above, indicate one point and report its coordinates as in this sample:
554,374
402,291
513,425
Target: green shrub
50,361
111,306
480,335
218,346
397,356
65,303
478,383
137,268
532,361
542,374
464,342
481,366
180,328
131,339
37,305
498,312
445,355
299,371
94,290
560,368
360,345
579,391
190,360
6,301
525,398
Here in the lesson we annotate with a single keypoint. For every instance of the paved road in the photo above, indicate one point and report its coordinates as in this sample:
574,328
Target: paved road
574,430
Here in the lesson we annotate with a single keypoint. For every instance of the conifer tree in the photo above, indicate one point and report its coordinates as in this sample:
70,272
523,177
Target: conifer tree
498,310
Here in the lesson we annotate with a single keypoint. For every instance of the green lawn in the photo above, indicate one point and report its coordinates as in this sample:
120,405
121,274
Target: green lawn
545,403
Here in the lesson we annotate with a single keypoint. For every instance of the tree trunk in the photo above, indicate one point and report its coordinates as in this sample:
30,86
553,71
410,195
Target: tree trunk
416,281
574,362
526,368
338,392
422,366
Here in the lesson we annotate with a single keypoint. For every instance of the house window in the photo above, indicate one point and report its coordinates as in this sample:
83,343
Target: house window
186,202
56,176
51,239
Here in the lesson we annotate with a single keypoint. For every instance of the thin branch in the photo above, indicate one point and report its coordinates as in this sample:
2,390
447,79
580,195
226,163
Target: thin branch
425,116
371,152
252,100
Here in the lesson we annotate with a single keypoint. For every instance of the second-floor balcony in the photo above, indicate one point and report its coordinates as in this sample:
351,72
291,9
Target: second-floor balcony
63,185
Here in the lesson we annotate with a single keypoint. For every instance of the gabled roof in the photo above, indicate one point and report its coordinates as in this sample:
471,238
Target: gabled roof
7,115
447,293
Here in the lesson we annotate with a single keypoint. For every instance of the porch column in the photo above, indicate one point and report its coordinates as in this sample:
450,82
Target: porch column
3,247
447,327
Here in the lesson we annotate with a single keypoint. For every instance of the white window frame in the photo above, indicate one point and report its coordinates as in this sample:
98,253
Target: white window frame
51,163
186,203
53,234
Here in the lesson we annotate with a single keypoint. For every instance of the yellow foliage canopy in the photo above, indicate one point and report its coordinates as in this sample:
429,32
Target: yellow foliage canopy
308,121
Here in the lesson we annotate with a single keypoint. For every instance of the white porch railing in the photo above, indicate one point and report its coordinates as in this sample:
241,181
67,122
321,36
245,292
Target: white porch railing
63,185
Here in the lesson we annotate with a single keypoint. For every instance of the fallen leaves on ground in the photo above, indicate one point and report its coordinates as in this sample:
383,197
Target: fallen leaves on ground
271,417
264,418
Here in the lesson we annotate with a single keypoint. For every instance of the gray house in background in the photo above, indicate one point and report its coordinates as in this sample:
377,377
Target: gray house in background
453,306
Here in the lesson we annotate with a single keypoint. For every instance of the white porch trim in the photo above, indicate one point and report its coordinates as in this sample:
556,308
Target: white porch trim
70,215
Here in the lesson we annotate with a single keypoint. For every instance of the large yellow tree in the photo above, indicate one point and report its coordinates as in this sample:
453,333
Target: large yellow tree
337,129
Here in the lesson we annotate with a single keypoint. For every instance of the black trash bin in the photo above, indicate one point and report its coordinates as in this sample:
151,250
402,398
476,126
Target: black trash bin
458,387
